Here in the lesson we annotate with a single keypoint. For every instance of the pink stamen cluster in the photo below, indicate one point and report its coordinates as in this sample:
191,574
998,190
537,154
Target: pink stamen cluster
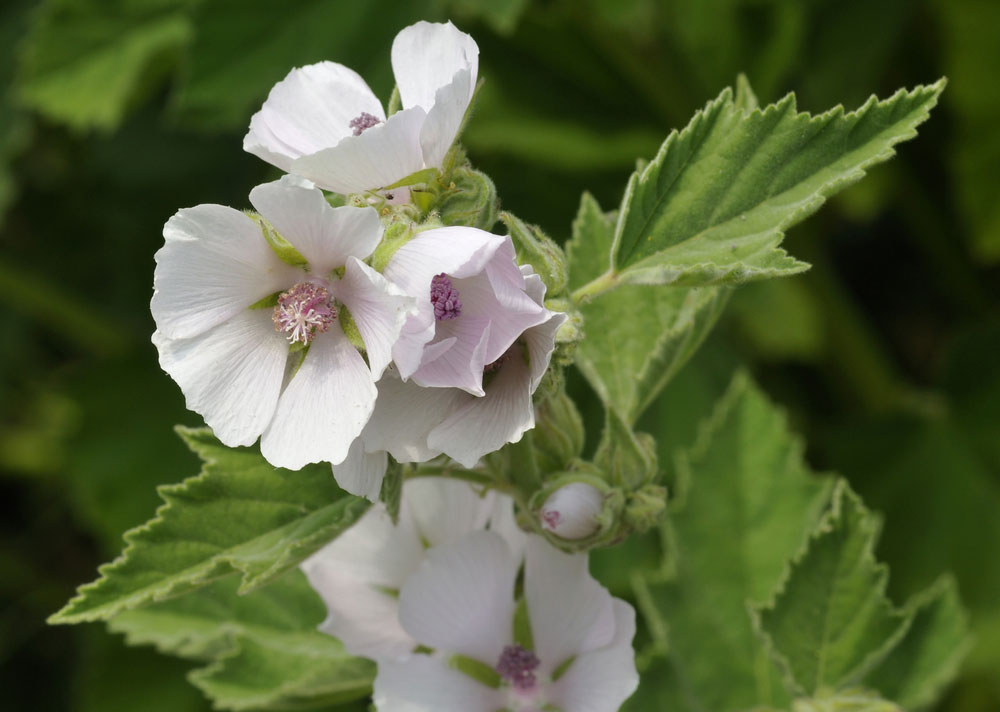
444,298
303,311
363,122
517,666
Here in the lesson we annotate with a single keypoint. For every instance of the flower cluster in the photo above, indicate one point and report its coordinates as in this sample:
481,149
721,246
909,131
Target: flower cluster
344,320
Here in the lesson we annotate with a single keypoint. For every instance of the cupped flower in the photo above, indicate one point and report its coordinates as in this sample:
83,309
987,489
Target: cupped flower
460,604
359,574
323,122
256,344
414,423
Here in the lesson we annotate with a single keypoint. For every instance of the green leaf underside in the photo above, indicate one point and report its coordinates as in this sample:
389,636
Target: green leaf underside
830,621
264,648
928,656
637,337
239,515
87,60
712,207
746,503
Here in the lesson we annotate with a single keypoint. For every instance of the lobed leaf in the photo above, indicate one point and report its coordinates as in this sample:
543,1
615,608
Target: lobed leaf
712,207
239,515
637,337
746,502
830,621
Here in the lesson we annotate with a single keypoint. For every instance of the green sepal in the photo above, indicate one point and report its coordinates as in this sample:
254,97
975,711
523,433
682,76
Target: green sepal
628,459
349,327
391,493
426,175
537,249
268,302
522,626
469,200
395,102
394,237
285,251
475,669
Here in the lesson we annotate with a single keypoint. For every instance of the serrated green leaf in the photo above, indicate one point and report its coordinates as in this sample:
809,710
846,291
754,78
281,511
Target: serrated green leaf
746,503
239,515
637,337
849,701
830,621
86,61
264,648
928,657
712,207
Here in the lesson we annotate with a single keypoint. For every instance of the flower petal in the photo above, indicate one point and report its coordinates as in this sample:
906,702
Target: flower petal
601,680
324,235
421,683
541,340
461,364
324,407
378,307
444,510
380,156
231,375
503,522
482,425
307,111
461,599
214,264
426,56
570,611
361,473
445,118
404,416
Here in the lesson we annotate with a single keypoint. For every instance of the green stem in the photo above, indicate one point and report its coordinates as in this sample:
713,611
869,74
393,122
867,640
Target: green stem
605,283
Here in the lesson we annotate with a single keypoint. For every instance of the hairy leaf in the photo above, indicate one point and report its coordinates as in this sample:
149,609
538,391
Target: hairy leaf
240,515
637,337
830,621
264,648
712,207
746,504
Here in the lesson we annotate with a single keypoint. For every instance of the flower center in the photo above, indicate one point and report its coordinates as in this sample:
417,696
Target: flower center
363,122
516,666
444,298
302,311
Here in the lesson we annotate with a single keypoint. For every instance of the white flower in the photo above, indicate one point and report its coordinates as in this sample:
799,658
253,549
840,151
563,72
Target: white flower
415,423
460,603
233,362
571,512
359,573
323,122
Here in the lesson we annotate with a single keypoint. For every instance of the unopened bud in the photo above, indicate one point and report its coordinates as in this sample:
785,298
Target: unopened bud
471,200
573,511
537,249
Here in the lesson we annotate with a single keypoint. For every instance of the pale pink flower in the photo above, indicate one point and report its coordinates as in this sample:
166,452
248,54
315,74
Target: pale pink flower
323,122
359,573
234,363
460,602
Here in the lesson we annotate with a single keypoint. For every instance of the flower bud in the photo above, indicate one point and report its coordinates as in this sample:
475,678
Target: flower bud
537,249
471,201
572,511
558,434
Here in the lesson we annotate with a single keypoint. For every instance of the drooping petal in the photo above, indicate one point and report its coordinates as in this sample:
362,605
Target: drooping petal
482,425
378,157
443,509
426,56
461,364
324,235
378,307
540,341
324,407
214,264
361,473
422,683
230,375
309,110
461,599
570,611
445,118
404,416
601,680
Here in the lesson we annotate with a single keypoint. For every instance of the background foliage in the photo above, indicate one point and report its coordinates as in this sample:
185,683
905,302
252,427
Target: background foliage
115,114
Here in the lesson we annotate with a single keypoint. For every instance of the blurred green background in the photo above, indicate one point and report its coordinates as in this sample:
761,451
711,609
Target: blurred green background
115,113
